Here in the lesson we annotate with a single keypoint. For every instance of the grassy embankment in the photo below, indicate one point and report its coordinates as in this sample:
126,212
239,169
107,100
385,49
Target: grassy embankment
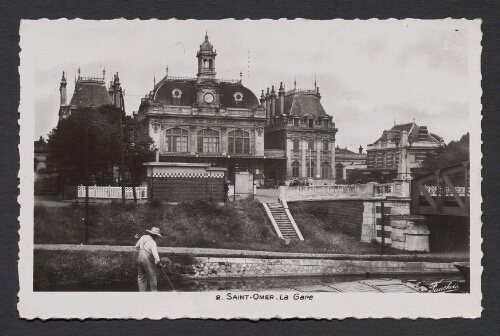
241,226
200,224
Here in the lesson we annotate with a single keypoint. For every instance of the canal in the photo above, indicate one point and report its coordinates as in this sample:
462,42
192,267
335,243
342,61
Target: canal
251,284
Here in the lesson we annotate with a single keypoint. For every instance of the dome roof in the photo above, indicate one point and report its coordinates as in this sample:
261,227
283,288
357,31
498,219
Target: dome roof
232,95
206,46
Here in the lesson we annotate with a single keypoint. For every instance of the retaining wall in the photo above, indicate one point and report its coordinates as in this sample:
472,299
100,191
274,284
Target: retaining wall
345,215
215,267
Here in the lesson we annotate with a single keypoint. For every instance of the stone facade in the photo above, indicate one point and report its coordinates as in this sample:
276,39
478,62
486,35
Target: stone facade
384,155
401,230
204,119
298,125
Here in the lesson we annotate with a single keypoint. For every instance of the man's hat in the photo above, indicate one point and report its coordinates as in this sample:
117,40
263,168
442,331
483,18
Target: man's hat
154,231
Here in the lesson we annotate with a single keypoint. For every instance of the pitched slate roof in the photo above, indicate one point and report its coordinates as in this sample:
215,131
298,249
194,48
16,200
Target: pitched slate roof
303,103
412,129
90,92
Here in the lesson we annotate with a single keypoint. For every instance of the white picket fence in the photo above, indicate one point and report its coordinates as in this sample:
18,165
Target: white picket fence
113,192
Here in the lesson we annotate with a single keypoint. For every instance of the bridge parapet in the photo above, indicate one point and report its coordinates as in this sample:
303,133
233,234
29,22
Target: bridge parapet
337,192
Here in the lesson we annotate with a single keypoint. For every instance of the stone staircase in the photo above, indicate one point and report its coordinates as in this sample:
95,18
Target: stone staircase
283,221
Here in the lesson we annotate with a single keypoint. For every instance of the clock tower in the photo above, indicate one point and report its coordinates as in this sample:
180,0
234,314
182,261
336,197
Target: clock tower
207,85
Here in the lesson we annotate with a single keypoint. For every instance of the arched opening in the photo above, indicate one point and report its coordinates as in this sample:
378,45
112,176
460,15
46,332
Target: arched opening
208,141
176,140
239,142
325,171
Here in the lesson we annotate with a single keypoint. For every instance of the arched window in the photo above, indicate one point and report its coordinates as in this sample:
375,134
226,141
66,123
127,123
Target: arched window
239,142
210,64
325,171
296,145
310,169
176,140
208,141
295,169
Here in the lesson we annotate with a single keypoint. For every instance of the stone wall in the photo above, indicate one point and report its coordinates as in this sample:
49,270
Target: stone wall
345,215
216,267
400,230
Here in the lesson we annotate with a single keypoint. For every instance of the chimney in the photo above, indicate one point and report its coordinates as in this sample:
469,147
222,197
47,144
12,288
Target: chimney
423,133
273,102
281,94
268,105
318,95
360,149
262,99
62,90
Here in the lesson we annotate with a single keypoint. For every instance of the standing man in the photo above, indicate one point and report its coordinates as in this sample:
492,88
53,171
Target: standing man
148,257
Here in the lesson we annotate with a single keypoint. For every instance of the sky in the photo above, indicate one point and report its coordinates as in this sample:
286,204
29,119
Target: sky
371,74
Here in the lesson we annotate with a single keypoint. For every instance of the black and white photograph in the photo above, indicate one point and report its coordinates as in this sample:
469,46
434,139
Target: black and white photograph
250,169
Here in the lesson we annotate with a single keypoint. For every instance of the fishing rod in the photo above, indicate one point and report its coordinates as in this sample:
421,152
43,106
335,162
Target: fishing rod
165,274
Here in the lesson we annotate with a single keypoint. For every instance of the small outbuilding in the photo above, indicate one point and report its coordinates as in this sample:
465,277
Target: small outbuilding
185,182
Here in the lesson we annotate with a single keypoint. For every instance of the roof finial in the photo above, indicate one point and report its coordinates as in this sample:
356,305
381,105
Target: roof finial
413,119
167,70
394,121
241,76
295,83
78,71
314,82
206,35
154,77
104,73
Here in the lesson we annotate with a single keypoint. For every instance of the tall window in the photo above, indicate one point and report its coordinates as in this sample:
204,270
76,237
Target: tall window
208,141
295,122
325,171
310,169
325,145
310,123
310,144
239,142
296,144
325,122
176,140
295,169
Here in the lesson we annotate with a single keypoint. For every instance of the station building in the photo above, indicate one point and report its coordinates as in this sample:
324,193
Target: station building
204,119
298,128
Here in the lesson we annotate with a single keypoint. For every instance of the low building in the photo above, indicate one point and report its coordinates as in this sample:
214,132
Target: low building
347,161
383,155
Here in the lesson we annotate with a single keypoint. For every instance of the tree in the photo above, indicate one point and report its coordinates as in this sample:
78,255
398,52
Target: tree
447,155
96,133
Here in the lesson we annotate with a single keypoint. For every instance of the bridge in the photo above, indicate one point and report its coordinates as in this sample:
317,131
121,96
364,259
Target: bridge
400,213
443,192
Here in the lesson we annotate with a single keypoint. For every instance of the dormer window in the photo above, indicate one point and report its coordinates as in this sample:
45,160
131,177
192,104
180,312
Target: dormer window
176,96
325,123
176,93
238,97
310,123
295,122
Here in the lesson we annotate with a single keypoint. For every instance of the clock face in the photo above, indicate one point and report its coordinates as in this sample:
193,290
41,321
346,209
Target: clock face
208,98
